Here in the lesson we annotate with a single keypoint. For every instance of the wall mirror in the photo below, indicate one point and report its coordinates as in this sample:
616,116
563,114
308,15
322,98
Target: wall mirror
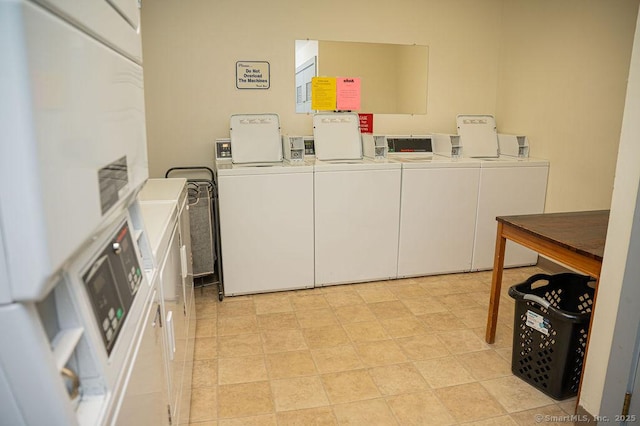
393,76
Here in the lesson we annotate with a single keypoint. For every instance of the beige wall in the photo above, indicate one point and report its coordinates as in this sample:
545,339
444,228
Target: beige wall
190,49
562,81
555,71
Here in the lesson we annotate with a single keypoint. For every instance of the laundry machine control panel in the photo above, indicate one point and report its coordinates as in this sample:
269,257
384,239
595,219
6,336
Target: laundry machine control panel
112,280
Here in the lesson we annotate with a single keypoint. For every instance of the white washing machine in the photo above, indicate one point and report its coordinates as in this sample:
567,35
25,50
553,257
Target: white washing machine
357,206
437,208
508,186
266,211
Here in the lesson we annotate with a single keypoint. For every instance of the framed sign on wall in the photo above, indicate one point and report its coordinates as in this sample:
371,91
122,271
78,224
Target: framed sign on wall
252,75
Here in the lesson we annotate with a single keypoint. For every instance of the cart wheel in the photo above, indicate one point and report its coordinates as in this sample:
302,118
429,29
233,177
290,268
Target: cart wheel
220,295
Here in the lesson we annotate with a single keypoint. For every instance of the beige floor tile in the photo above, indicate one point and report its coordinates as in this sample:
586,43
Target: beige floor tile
441,321
389,310
469,402
505,353
484,365
323,337
283,365
205,348
298,393
316,318
277,321
368,331
383,352
206,327
205,373
423,346
462,341
424,305
206,310
408,291
550,415
473,317
504,335
263,420
242,324
515,395
303,303
398,378
568,405
404,327
442,372
349,386
336,358
494,421
244,400
203,404
210,423
272,304
322,416
440,287
232,307
376,294
283,340
354,313
371,412
242,370
420,408
343,298
239,345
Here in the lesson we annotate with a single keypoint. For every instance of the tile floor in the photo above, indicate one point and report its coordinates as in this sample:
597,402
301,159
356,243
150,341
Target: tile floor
400,352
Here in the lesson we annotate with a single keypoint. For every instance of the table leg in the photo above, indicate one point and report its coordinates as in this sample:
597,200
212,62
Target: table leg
496,284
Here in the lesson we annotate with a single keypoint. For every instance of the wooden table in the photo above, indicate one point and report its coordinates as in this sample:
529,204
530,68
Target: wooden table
575,239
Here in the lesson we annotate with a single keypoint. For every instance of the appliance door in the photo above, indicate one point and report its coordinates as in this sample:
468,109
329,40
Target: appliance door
437,220
356,225
146,386
266,229
75,111
506,191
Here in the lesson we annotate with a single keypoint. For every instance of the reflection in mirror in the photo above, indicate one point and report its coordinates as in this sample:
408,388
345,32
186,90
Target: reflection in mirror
393,76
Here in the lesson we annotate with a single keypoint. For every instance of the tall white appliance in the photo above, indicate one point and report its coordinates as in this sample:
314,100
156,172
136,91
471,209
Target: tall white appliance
266,210
78,294
437,208
510,184
357,205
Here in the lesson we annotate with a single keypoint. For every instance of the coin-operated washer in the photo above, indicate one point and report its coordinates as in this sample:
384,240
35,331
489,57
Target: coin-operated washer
266,211
357,205
511,183
438,206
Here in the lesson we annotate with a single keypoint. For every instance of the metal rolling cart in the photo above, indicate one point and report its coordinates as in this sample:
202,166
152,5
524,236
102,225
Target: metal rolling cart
204,225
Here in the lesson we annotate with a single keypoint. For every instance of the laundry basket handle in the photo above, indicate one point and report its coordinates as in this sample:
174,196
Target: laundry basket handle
190,169
539,300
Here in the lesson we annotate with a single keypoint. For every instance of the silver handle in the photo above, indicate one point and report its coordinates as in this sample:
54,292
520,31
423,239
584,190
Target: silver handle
539,300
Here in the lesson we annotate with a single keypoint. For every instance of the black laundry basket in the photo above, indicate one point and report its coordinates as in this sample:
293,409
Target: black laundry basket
550,330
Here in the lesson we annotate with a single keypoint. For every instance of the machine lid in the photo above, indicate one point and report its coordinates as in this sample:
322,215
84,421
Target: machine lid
337,136
513,162
439,162
255,138
479,136
159,218
162,189
355,165
264,169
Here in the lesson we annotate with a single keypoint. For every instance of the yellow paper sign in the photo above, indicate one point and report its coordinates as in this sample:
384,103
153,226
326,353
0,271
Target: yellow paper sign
323,93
